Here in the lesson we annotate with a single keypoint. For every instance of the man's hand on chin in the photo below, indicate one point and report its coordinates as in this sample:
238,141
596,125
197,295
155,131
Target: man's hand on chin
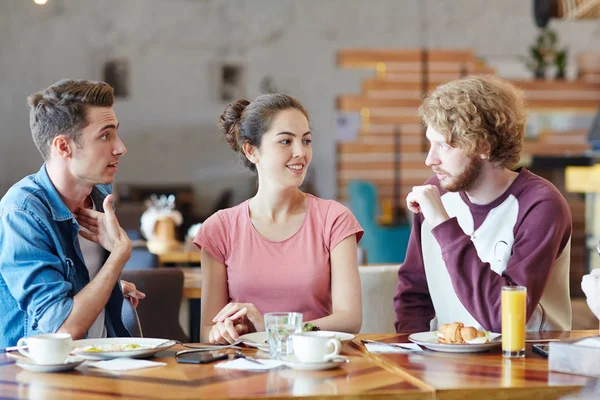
427,200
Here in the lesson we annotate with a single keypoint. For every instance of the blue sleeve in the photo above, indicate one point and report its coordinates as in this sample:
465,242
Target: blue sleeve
33,271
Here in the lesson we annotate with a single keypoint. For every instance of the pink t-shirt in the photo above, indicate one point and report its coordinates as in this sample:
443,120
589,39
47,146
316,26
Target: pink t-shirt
291,275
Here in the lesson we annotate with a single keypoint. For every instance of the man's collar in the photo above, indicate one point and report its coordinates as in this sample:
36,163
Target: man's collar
59,210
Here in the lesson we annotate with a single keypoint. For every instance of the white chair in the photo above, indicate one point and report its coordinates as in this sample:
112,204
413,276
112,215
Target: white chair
378,284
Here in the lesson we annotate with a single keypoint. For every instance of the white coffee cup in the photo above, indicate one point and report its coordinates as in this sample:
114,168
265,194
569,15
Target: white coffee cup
50,348
315,347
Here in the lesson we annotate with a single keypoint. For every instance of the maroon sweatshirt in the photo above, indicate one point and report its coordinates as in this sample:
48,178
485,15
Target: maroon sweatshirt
456,271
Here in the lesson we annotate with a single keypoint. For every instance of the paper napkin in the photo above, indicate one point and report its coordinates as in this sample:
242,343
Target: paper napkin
245,365
383,348
125,364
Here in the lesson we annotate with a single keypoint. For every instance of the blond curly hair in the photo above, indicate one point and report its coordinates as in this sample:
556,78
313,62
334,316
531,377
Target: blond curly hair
479,114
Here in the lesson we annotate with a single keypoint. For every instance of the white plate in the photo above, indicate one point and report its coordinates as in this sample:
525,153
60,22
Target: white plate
256,339
150,347
292,361
430,341
259,339
342,336
70,363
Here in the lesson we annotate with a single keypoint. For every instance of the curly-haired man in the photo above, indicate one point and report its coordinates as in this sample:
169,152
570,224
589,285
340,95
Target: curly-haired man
480,225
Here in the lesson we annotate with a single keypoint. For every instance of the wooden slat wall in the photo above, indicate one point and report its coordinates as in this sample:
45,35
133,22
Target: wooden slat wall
392,96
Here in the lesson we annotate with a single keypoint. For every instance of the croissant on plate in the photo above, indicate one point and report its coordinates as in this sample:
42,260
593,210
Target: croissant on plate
458,333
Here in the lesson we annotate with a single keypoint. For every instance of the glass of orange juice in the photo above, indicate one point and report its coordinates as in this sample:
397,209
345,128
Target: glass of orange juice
514,318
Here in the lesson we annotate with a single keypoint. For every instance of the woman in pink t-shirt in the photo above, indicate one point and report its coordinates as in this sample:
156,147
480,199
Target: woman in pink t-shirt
281,250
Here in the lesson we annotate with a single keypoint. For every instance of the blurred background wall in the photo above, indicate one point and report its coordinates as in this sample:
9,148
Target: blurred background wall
174,49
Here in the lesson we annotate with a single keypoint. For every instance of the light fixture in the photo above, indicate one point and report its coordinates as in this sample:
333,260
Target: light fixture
40,2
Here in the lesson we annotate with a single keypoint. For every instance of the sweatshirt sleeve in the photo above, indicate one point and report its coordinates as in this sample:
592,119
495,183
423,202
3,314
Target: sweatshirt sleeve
412,302
541,235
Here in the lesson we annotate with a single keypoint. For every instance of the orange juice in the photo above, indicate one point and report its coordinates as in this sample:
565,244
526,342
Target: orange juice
514,318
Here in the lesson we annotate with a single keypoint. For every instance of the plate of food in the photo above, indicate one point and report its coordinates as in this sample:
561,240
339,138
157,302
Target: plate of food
457,338
259,339
108,348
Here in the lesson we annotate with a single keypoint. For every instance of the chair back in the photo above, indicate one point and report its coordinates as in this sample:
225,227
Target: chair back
383,243
363,202
378,286
159,311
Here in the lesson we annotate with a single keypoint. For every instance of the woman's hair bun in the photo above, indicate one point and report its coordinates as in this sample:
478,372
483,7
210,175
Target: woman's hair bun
230,122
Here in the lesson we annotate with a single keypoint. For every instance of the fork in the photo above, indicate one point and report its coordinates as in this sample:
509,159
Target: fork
212,347
161,344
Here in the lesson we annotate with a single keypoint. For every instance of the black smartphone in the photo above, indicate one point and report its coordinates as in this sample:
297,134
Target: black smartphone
541,349
204,357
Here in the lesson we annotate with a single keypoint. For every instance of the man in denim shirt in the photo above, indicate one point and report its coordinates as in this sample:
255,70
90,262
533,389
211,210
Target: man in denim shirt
45,285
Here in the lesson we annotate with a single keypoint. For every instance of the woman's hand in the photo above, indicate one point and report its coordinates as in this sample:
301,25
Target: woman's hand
235,311
227,332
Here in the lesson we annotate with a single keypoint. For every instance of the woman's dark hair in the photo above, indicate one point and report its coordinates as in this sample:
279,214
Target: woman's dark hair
244,121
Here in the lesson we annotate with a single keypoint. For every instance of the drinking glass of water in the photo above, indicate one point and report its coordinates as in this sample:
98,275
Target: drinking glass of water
280,326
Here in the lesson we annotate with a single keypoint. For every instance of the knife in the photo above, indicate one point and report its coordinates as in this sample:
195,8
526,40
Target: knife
251,359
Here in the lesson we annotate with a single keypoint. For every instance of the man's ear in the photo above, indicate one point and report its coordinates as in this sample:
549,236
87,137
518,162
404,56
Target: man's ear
250,151
61,146
484,153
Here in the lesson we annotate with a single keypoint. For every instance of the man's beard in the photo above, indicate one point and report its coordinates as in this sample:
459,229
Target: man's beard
467,179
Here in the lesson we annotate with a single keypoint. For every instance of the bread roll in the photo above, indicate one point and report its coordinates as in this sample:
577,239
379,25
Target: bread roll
458,333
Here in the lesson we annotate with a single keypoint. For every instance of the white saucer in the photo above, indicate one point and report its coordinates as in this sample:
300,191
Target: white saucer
292,361
70,363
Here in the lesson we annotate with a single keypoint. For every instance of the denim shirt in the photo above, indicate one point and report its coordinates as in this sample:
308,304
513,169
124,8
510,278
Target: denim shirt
41,265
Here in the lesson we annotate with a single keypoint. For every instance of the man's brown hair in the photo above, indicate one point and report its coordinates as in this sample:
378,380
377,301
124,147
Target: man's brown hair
61,109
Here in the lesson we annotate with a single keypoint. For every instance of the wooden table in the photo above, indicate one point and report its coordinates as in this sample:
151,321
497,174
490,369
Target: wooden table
429,376
180,257
488,375
192,283
361,378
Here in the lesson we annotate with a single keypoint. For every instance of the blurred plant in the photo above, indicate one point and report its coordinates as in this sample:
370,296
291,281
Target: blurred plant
543,53
540,53
560,62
